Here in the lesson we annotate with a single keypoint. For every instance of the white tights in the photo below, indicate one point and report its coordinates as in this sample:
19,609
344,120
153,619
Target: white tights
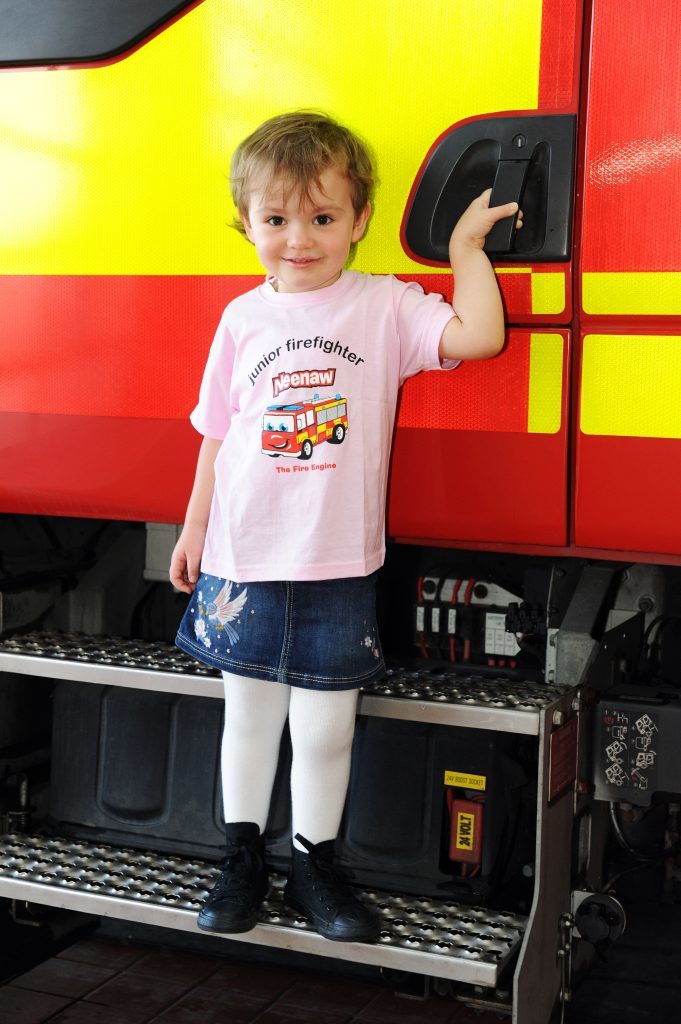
322,724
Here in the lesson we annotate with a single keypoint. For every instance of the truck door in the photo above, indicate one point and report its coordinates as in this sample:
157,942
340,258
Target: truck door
487,445
628,430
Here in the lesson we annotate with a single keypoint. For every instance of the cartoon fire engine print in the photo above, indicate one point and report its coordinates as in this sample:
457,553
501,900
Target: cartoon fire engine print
295,429
215,613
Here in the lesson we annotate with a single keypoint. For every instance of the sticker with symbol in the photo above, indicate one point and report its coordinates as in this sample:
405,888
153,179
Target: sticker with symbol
645,725
614,749
639,781
645,760
615,775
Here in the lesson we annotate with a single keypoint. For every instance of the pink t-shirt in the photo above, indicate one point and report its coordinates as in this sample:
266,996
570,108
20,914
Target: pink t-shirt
303,389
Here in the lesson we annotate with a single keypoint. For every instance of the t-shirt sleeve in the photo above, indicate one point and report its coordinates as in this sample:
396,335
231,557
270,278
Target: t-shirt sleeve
213,414
421,319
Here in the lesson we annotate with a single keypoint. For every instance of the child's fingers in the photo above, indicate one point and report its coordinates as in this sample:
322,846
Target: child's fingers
193,567
478,220
178,574
505,210
179,581
485,197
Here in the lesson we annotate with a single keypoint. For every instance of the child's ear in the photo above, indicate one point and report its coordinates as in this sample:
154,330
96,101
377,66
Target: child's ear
247,227
361,223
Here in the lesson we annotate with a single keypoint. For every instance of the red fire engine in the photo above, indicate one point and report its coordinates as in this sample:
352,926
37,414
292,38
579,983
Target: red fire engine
533,499
294,430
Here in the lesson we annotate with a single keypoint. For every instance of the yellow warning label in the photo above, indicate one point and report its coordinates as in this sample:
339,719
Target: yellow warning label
465,831
465,781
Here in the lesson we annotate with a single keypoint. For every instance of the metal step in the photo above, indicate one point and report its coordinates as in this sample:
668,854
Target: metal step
437,938
445,698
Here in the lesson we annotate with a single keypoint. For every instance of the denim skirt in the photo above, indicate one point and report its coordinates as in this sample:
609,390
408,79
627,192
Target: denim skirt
321,634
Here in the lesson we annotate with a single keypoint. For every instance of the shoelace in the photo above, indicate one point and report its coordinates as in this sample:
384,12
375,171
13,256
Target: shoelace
330,883
237,872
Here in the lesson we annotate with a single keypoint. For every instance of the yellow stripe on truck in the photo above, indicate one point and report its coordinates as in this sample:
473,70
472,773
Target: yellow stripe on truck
123,169
548,292
632,294
545,393
631,385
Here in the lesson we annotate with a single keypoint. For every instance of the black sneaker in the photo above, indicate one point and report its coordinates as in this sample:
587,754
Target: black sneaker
314,889
233,904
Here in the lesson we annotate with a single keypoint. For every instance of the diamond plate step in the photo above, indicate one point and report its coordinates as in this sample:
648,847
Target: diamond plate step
427,696
438,938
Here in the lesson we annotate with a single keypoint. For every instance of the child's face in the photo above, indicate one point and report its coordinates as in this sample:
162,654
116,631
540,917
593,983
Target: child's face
304,243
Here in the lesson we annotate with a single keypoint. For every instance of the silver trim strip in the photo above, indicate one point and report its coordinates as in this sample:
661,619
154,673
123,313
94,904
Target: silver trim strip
462,715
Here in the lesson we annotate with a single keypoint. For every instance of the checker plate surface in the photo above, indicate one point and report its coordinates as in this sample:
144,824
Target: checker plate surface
481,940
440,687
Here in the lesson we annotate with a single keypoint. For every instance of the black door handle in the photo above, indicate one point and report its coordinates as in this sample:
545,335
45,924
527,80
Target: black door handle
527,159
508,187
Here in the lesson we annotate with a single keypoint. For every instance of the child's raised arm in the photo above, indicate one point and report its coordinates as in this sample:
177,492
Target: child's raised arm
185,564
477,329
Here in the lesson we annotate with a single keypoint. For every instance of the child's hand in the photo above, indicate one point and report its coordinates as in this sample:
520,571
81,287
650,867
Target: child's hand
185,563
478,219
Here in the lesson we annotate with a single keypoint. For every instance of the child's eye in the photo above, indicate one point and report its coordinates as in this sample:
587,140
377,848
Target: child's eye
275,222
322,219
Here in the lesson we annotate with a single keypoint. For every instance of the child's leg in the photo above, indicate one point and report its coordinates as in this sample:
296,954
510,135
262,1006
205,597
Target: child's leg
255,713
322,724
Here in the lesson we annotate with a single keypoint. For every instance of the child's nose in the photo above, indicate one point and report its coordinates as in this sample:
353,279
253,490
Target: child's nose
299,236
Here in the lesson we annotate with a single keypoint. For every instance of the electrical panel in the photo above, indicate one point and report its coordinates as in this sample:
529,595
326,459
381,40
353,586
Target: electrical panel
469,623
637,752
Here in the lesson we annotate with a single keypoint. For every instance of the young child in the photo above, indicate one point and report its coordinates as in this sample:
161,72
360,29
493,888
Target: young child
284,529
